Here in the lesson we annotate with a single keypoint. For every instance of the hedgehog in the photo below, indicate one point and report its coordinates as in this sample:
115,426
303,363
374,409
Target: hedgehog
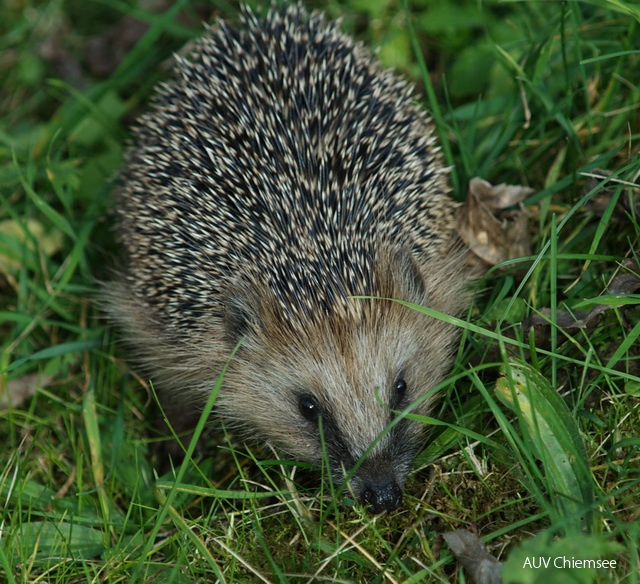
280,196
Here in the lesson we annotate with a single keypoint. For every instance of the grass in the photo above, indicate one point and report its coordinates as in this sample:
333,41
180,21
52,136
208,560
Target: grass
538,93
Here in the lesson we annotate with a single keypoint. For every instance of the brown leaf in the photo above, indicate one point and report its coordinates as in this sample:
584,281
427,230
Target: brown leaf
481,566
498,196
491,233
18,391
627,203
626,282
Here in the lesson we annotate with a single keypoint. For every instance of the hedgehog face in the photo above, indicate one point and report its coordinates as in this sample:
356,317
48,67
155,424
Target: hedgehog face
348,404
334,386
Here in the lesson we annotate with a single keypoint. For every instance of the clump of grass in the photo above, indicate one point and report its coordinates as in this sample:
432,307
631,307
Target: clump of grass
543,94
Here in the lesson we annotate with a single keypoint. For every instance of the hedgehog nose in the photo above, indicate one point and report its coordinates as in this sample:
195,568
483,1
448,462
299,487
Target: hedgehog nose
382,495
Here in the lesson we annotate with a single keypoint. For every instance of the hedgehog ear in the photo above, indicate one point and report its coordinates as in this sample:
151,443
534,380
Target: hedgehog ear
408,277
239,316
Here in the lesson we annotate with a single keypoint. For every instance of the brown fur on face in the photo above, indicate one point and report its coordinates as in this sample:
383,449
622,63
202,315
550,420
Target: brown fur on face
348,362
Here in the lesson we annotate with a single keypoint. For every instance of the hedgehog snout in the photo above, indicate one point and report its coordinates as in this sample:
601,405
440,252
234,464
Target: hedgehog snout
383,494
379,481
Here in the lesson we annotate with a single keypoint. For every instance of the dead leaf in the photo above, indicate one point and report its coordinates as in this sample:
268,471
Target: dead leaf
498,196
29,233
491,233
627,203
625,283
481,566
18,391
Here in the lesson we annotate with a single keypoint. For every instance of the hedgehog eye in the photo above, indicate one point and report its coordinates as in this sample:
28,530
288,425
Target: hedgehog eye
309,408
399,391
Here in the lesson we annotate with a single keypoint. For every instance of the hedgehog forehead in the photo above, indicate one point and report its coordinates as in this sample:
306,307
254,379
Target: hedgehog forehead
360,348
